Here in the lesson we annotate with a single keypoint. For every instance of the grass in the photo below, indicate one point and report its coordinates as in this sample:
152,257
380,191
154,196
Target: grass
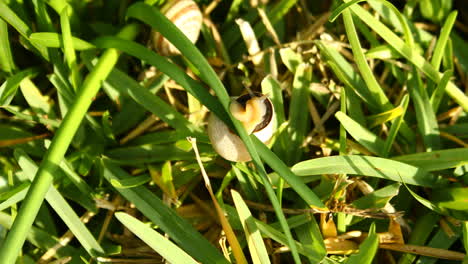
369,155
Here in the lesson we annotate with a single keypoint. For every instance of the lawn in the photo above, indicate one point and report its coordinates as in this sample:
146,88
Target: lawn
235,131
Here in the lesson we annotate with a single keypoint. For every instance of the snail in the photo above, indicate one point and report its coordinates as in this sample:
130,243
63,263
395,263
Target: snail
256,113
186,15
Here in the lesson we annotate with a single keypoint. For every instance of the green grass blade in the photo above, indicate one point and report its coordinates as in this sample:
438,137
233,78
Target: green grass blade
443,39
11,18
427,122
298,119
272,87
367,166
14,195
436,160
379,198
367,249
55,40
6,59
257,248
361,134
151,102
28,211
295,182
68,49
62,208
439,92
374,88
381,118
10,86
406,51
169,221
169,251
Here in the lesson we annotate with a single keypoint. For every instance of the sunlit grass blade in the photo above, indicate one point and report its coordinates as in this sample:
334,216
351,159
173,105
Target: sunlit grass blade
395,127
379,119
156,241
68,49
367,166
443,39
257,248
13,196
55,40
7,14
152,207
361,134
10,86
6,59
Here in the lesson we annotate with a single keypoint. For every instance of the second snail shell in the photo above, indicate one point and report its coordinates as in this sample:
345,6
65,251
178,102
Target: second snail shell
259,120
186,15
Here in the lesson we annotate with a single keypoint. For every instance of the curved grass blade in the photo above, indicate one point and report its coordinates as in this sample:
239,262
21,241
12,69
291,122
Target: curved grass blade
361,134
374,88
436,160
169,221
156,241
366,166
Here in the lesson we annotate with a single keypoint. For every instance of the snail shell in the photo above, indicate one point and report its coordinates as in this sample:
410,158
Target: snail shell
258,117
186,15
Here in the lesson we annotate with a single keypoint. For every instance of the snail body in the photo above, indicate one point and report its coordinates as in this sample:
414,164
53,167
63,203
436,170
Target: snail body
186,15
257,115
